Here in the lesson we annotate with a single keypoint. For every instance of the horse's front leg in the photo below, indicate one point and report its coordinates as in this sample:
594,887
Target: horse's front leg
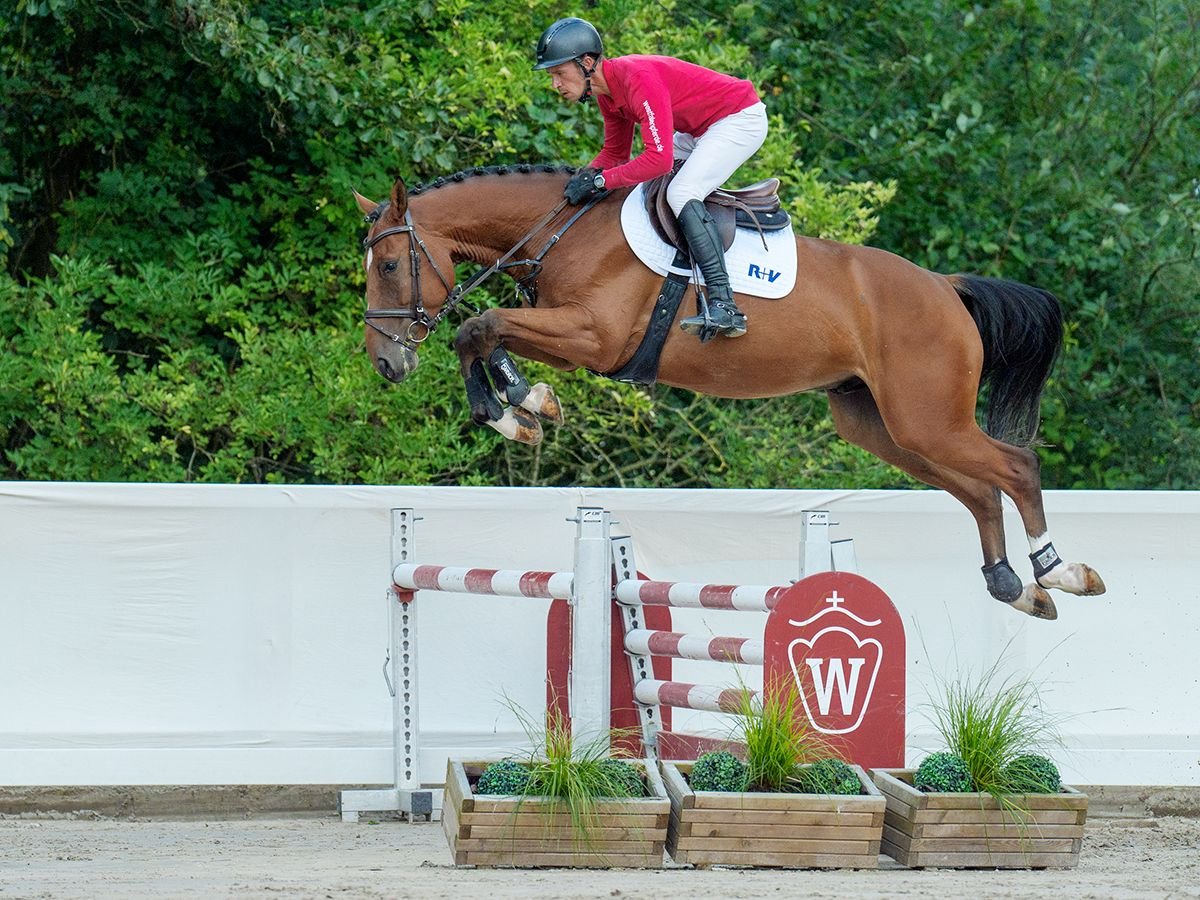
506,400
539,399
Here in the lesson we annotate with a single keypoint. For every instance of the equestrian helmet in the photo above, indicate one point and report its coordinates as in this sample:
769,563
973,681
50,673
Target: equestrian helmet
565,40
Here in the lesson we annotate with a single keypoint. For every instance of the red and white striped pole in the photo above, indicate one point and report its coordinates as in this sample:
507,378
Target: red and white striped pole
646,642
692,696
748,597
496,582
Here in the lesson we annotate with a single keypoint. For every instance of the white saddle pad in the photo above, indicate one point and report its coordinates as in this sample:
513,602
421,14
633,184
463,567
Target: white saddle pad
769,273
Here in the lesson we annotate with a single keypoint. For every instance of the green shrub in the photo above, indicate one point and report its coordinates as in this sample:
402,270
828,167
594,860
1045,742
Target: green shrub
504,777
829,776
718,771
1032,774
943,772
622,778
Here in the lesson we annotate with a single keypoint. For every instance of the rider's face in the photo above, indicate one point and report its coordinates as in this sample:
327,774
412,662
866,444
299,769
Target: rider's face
567,79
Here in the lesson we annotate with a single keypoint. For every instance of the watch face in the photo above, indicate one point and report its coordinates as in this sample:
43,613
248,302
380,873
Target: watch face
599,181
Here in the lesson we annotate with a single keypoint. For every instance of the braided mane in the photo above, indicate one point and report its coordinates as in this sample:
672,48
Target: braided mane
519,168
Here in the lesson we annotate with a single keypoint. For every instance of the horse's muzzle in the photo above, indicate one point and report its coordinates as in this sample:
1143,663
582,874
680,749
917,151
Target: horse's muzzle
398,365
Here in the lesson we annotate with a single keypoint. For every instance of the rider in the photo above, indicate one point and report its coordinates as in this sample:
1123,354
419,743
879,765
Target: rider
713,122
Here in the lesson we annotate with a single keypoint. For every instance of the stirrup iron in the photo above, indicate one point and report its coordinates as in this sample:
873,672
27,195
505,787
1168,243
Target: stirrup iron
715,318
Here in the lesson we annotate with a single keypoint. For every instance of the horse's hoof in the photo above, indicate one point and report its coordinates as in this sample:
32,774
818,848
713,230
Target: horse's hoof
542,401
1074,578
1093,584
1035,602
518,425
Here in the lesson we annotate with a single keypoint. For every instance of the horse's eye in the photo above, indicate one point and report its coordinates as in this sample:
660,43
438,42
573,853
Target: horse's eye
389,267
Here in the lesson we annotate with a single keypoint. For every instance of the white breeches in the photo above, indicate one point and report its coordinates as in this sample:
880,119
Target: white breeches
713,157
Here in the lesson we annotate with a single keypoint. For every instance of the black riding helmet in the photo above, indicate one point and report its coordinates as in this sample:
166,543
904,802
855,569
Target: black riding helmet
569,40
565,40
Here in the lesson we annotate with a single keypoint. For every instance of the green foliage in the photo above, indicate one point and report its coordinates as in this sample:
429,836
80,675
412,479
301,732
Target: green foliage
1032,774
574,776
778,741
183,278
577,774
625,778
990,720
943,772
829,776
718,770
506,776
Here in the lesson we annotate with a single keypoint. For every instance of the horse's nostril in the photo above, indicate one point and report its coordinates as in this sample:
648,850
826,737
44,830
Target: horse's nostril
385,368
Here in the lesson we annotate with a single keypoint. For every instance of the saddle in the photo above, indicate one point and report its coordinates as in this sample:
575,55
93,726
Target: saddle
756,206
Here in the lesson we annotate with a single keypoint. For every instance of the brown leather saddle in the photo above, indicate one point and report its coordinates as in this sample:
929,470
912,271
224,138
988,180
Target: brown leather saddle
756,206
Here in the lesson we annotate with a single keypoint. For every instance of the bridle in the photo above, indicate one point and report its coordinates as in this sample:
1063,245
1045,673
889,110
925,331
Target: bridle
423,324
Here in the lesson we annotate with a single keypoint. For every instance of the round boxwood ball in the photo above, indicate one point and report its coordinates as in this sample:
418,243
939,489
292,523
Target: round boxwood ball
829,776
625,780
504,777
1032,774
718,771
943,772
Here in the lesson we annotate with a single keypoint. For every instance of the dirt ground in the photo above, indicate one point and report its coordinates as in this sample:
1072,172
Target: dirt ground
325,857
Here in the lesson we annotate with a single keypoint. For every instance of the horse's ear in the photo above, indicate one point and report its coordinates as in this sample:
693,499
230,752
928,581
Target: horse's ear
367,206
399,197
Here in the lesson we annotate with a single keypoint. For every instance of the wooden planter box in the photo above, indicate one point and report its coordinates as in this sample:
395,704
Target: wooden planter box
719,828
528,832
974,830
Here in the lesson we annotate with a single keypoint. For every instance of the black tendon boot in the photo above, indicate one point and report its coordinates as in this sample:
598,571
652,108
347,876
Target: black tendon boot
704,242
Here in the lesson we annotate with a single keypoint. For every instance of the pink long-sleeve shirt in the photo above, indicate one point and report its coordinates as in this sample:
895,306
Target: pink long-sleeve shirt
660,95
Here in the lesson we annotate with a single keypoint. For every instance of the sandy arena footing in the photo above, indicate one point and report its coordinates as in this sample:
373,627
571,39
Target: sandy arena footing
325,857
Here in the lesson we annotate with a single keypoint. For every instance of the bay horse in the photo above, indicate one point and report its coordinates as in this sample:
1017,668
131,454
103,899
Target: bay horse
901,352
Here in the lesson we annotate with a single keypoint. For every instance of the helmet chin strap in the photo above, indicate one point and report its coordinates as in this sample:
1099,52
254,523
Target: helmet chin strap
587,79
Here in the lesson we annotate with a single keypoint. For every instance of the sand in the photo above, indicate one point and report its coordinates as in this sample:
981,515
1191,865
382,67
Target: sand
325,857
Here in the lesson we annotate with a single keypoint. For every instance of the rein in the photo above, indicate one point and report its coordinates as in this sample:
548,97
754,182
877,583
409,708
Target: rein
422,324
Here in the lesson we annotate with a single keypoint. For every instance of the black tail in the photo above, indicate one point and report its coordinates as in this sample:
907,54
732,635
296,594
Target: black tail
1022,331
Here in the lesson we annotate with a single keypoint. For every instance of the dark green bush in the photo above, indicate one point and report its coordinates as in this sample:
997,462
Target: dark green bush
624,778
943,772
828,776
1032,774
504,777
719,770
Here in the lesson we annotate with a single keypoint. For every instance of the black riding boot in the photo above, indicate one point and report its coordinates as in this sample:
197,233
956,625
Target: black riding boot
704,242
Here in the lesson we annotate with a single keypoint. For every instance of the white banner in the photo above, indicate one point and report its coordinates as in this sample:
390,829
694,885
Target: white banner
186,634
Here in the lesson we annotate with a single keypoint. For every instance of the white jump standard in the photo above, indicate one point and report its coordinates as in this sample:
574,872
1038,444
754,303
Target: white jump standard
588,589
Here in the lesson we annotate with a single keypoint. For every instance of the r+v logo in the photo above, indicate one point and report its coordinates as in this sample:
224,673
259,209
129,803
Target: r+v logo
756,271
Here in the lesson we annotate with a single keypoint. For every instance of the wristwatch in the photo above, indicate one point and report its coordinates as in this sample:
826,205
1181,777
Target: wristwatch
598,181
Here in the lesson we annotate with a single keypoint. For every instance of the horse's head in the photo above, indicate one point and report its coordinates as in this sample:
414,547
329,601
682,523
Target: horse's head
406,287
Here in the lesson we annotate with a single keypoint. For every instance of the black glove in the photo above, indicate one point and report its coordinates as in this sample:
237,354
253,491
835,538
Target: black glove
582,186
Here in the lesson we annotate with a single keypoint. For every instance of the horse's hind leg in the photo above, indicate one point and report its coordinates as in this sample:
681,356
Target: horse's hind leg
934,418
857,419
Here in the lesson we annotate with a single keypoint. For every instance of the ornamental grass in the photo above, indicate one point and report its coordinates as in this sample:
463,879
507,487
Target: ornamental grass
997,723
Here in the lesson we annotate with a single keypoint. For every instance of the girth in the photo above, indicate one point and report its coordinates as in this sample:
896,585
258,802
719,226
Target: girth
642,367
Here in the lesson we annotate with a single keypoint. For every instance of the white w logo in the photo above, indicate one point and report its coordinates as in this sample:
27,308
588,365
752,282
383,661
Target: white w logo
828,674
824,688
